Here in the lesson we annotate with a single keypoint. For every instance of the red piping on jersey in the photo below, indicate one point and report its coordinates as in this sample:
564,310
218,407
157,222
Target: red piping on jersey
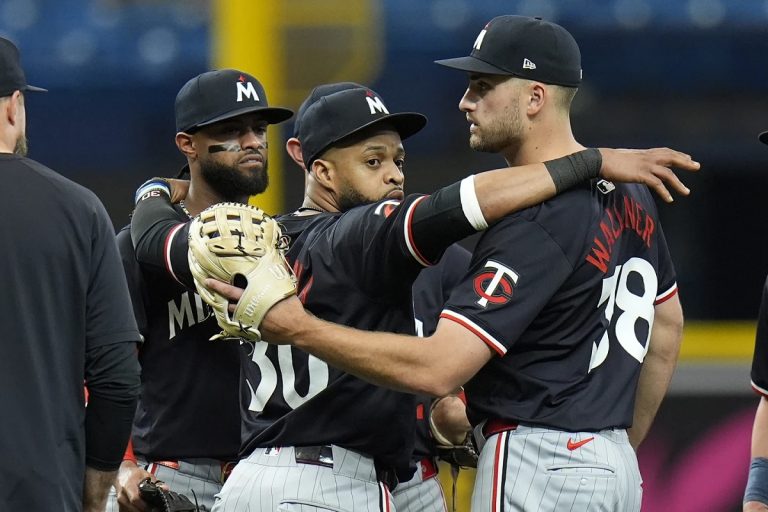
167,250
129,455
760,391
409,233
666,296
497,465
475,332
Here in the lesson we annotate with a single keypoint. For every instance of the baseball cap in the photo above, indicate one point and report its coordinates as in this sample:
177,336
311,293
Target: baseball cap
317,93
11,75
524,47
337,116
223,94
763,137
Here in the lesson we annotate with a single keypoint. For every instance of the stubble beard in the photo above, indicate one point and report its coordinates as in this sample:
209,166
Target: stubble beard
350,198
498,134
230,183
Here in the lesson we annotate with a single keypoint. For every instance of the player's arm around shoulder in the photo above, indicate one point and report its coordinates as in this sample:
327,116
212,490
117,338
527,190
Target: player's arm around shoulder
658,366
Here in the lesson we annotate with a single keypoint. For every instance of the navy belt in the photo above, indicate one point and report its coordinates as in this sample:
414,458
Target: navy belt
323,456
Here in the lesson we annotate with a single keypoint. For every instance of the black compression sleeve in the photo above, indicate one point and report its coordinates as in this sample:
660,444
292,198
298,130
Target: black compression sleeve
112,378
439,221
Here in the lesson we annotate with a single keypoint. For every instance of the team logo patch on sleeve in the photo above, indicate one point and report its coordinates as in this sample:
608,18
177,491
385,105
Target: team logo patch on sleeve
494,284
386,208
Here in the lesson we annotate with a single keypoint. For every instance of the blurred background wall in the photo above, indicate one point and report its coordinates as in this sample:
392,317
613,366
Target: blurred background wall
689,74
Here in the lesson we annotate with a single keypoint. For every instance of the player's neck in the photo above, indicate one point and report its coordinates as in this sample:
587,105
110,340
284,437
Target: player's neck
543,144
201,196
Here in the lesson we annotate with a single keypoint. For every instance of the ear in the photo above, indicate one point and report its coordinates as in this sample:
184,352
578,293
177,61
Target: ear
323,172
293,147
14,108
537,97
186,145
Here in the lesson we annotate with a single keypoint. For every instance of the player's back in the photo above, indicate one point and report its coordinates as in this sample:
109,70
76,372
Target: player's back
584,271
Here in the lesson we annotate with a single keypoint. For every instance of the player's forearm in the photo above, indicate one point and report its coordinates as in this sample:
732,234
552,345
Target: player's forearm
657,369
400,362
96,489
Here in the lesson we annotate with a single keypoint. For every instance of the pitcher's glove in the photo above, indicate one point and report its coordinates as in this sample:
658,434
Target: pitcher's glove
243,246
160,500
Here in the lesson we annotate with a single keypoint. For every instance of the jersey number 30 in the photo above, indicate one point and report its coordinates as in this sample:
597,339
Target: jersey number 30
633,307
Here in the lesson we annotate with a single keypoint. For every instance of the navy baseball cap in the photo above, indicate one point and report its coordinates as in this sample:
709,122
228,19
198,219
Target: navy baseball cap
12,77
317,93
763,137
337,116
524,47
223,94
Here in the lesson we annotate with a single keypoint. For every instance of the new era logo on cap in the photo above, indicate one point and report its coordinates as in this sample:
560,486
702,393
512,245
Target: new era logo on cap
527,64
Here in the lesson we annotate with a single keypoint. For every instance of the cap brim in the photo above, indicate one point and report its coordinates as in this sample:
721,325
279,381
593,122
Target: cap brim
763,137
32,88
472,64
272,115
404,123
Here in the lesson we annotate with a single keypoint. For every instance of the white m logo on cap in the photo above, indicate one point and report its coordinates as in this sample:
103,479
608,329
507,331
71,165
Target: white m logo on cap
246,89
479,40
375,104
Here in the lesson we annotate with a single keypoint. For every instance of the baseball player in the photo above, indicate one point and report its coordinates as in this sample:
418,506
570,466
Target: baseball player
316,437
423,492
566,328
756,493
187,429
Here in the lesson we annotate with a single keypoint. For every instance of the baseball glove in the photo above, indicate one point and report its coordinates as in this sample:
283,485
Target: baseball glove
243,246
462,455
160,500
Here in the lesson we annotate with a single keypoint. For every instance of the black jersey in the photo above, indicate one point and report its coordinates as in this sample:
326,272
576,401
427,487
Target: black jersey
760,359
64,298
188,406
430,292
355,268
564,293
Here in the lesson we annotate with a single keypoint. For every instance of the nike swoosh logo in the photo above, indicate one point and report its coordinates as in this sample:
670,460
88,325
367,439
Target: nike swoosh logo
572,446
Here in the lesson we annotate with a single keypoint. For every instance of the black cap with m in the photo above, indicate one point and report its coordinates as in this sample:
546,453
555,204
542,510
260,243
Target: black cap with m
336,116
524,47
222,94
12,76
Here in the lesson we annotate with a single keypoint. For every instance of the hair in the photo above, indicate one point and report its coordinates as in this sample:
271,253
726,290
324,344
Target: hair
563,96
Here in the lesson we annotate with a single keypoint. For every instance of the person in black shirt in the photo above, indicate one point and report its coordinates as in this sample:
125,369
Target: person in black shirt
66,320
187,428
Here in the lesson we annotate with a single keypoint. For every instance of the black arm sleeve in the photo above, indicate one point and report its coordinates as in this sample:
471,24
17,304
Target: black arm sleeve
160,238
112,378
439,221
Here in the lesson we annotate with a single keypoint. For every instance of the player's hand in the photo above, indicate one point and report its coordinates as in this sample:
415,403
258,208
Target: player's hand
653,167
281,321
127,486
179,189
449,416
755,506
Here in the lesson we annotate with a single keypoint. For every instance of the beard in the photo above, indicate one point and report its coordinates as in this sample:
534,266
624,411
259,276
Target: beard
21,146
349,198
498,134
230,183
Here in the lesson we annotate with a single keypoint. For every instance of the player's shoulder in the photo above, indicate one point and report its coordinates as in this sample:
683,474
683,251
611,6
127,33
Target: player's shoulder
48,180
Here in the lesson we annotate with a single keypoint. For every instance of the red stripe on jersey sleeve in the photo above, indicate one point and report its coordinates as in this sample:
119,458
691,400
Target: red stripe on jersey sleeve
664,297
760,391
476,330
167,250
410,242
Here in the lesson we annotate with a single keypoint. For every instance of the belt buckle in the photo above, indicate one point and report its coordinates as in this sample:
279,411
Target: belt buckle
317,455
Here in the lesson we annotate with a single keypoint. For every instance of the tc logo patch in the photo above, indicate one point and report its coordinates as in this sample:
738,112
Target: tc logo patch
494,283
386,208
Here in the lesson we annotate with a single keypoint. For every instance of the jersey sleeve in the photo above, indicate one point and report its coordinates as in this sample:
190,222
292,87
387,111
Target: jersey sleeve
759,374
516,268
134,278
109,317
160,238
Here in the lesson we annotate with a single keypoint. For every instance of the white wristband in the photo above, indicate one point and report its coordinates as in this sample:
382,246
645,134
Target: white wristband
470,205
